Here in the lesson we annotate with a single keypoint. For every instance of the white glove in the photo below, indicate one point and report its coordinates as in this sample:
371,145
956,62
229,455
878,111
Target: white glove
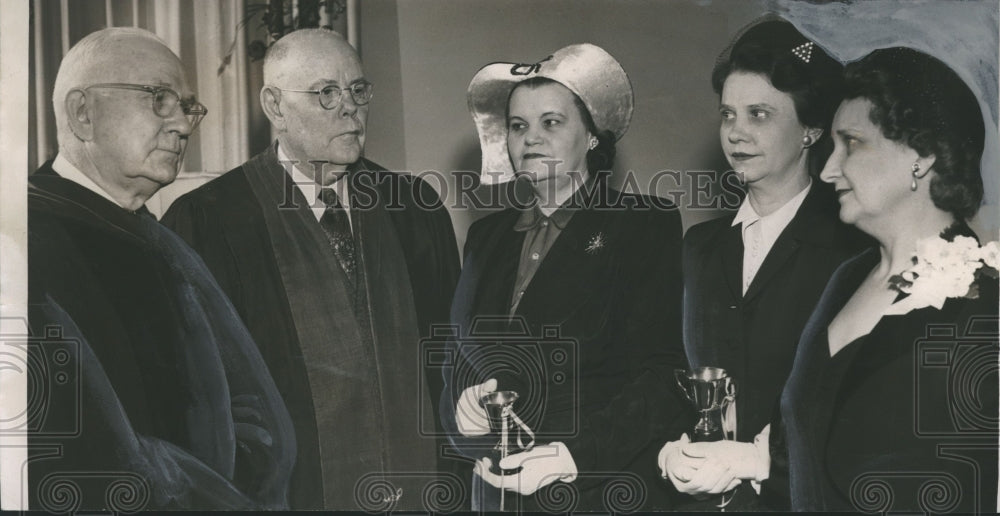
470,416
714,467
540,466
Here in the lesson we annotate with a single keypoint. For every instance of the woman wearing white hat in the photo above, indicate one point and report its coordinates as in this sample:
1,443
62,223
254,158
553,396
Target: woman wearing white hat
584,286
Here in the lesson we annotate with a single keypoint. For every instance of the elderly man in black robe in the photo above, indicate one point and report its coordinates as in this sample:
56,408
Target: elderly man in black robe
152,394
338,267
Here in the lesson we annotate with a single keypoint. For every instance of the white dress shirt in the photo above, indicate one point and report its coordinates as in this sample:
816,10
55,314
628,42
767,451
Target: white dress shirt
760,233
67,170
310,189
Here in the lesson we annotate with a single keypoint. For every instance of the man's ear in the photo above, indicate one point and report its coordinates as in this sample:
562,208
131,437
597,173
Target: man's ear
78,113
270,102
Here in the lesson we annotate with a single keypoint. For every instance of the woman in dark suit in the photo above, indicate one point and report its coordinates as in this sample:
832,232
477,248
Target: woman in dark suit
752,278
892,401
583,286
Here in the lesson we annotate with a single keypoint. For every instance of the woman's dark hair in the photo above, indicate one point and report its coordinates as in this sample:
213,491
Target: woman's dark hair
919,101
600,158
794,65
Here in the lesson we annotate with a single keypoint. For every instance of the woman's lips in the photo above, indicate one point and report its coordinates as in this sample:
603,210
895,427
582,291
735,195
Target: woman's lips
533,155
742,156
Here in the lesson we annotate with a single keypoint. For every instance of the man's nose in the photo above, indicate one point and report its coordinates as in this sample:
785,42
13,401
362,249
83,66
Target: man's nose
347,105
178,123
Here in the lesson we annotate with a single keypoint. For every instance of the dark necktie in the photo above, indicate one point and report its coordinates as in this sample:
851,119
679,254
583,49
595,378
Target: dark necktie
143,211
337,227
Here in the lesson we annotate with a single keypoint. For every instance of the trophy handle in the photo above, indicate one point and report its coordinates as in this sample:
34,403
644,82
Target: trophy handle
681,377
729,411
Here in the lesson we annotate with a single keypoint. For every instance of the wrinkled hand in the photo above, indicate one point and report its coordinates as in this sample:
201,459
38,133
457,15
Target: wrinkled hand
470,416
248,423
713,467
540,466
255,457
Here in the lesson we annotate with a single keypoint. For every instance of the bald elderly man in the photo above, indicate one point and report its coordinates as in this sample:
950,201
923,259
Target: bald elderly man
338,267
151,393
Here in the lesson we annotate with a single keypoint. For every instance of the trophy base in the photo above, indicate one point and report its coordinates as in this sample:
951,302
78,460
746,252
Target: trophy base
707,436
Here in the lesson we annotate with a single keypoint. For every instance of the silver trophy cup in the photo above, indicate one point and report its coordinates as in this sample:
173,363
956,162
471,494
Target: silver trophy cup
499,407
515,436
711,391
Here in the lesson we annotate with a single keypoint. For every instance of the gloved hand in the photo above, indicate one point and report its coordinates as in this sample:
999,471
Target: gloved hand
470,416
540,466
713,467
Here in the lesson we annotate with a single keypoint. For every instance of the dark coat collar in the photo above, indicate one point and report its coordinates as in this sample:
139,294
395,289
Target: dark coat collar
59,195
815,224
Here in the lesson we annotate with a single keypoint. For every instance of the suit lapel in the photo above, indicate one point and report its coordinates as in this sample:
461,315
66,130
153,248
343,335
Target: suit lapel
568,267
783,249
366,222
480,267
732,259
810,226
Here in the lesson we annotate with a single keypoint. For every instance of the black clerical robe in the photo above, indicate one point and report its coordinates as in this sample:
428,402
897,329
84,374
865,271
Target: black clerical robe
346,360
150,393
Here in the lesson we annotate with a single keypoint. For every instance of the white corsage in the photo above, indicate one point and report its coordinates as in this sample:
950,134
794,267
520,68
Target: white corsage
943,269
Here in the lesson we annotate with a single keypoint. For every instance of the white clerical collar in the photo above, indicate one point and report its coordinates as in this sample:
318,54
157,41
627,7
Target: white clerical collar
67,170
310,188
782,216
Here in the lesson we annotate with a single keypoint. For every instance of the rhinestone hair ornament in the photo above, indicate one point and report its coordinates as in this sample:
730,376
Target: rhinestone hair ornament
804,51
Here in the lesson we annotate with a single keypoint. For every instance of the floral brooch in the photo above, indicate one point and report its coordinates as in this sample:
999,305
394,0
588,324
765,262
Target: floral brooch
596,243
943,269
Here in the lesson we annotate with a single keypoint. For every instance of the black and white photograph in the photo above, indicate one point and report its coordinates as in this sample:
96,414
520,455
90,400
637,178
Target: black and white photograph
544,256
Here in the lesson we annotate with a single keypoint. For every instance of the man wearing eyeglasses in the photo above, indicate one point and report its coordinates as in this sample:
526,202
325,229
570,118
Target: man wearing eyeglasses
338,267
150,391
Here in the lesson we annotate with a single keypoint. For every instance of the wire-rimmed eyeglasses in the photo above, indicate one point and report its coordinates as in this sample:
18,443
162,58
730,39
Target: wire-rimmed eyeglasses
330,96
165,101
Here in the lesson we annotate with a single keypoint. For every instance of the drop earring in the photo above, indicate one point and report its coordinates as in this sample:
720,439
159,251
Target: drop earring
915,169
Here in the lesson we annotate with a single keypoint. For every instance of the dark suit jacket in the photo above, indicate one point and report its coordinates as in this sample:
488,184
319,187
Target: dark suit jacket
753,337
225,222
609,291
908,422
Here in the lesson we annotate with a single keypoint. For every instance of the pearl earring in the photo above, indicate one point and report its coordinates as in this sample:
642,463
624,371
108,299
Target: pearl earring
914,170
593,143
807,141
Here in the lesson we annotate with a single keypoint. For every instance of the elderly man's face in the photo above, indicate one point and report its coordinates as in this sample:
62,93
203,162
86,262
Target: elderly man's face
335,136
134,147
